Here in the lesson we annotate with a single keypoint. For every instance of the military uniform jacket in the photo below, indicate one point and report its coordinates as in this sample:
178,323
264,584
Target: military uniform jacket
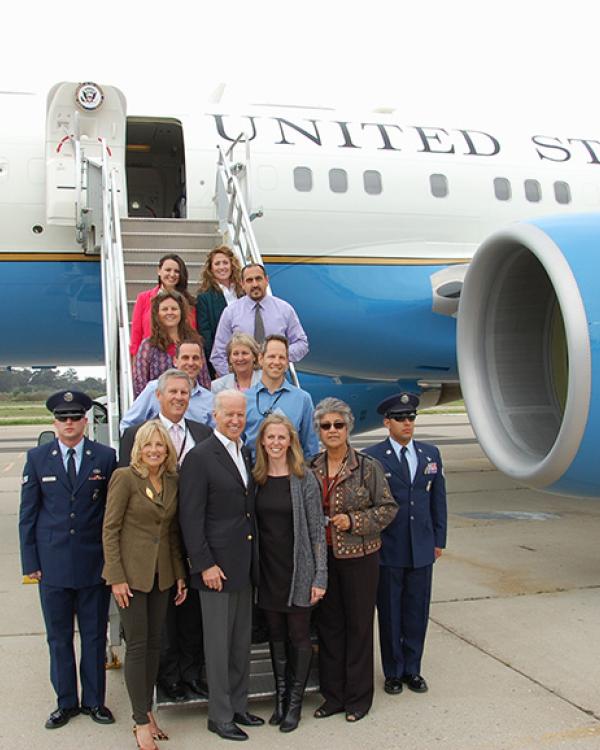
60,527
420,524
216,515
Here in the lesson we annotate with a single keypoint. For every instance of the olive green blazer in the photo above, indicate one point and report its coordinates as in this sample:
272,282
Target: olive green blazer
140,534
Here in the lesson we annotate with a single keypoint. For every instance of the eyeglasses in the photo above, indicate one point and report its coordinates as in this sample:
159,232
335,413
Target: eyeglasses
325,426
403,417
65,417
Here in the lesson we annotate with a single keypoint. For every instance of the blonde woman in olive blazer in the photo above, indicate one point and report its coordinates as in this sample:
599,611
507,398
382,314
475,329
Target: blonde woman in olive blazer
142,560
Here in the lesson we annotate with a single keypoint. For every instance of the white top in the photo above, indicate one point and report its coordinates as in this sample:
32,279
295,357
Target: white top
228,293
235,451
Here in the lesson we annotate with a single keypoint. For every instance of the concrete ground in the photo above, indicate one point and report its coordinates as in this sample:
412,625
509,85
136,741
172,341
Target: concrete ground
511,658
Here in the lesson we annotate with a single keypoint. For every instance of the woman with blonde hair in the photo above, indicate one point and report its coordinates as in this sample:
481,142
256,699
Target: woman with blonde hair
293,560
242,356
220,285
170,326
142,560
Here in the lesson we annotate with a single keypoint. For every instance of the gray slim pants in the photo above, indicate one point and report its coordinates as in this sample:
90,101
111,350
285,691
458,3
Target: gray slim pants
227,625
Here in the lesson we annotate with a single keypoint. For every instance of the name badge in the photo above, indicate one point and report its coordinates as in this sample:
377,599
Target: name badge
48,479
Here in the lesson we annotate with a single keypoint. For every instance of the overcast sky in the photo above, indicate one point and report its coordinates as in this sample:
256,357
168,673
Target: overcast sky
438,61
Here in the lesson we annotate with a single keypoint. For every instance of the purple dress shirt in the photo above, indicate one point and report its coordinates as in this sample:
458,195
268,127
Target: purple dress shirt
238,317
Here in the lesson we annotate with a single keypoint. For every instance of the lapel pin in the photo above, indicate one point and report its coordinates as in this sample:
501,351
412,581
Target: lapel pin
88,452
149,493
388,452
55,452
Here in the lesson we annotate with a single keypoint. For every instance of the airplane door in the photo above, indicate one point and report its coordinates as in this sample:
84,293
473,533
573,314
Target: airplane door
94,112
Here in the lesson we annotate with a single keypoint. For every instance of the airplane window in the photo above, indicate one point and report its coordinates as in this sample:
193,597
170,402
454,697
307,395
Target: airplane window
372,182
303,179
502,189
562,192
533,191
338,180
439,185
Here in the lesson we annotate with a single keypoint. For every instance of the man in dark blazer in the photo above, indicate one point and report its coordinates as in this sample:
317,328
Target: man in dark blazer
410,544
216,515
181,655
63,497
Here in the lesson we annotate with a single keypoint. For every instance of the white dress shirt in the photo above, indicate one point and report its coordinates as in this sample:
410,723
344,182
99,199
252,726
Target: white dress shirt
235,451
187,438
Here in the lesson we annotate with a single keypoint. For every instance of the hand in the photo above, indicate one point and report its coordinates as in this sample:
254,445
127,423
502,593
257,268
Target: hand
182,591
36,575
122,594
437,552
213,578
316,594
341,521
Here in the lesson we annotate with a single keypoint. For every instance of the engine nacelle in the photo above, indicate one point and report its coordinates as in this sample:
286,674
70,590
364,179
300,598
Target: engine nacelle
529,352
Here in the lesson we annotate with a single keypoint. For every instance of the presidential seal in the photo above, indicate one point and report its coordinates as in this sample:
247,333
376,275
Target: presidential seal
89,96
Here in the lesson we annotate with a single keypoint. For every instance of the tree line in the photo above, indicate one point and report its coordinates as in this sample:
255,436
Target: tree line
24,384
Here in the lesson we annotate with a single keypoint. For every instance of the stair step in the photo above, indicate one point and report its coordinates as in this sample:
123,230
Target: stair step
183,226
168,241
151,257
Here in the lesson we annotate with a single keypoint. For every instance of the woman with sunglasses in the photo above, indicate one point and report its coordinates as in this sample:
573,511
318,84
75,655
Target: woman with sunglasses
170,326
172,277
358,505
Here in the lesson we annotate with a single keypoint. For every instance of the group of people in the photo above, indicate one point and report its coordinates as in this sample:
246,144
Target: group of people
222,497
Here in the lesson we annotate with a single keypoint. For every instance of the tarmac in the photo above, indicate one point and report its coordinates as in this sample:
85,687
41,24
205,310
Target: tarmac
511,659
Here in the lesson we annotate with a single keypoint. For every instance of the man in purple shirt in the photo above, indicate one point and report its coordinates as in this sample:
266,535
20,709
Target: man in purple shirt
260,316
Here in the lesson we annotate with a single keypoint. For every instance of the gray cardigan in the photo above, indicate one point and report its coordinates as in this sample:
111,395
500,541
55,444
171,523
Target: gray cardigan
310,548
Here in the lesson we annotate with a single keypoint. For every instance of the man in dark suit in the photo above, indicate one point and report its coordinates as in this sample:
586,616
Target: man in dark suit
63,498
411,543
216,515
181,654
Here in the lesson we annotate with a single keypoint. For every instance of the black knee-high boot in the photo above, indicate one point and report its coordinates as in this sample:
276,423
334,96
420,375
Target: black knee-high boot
301,659
279,662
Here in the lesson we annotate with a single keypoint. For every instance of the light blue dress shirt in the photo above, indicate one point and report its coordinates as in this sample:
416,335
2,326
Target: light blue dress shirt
411,456
146,407
64,452
238,317
296,404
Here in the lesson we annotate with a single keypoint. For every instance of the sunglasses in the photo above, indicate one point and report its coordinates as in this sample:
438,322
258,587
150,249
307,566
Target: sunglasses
403,417
65,417
325,426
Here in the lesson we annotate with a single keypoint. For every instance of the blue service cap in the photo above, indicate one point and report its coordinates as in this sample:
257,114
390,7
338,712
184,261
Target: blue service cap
401,403
69,402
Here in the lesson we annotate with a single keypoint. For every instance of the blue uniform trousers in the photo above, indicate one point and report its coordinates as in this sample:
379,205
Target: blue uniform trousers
403,597
59,606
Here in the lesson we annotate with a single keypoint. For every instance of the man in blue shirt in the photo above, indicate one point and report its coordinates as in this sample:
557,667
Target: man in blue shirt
189,359
410,544
273,394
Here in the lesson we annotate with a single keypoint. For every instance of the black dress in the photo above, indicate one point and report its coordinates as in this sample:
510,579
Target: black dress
276,544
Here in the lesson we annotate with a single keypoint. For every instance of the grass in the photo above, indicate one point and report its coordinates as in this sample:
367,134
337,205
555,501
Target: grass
23,413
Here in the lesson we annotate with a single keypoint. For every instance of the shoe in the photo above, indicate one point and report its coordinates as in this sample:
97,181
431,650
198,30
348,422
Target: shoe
60,717
353,716
393,685
227,730
100,714
248,720
415,682
279,663
324,711
301,661
197,687
174,691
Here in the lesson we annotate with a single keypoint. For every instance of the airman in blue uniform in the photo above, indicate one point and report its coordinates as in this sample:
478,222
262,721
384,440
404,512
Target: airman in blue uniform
410,544
63,498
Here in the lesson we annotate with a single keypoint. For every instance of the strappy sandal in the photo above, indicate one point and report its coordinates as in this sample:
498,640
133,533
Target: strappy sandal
324,711
141,747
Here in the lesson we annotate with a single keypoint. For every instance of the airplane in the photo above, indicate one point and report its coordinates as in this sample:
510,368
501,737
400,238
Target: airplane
366,224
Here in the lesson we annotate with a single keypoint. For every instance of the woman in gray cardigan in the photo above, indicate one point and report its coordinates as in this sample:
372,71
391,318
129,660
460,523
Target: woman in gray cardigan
293,559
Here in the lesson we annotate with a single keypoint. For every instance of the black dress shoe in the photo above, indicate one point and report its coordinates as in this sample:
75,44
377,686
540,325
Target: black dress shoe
174,691
248,720
227,730
60,717
393,685
415,682
101,714
197,687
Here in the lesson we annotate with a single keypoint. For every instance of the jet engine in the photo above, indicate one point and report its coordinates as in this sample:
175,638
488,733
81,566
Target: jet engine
528,344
